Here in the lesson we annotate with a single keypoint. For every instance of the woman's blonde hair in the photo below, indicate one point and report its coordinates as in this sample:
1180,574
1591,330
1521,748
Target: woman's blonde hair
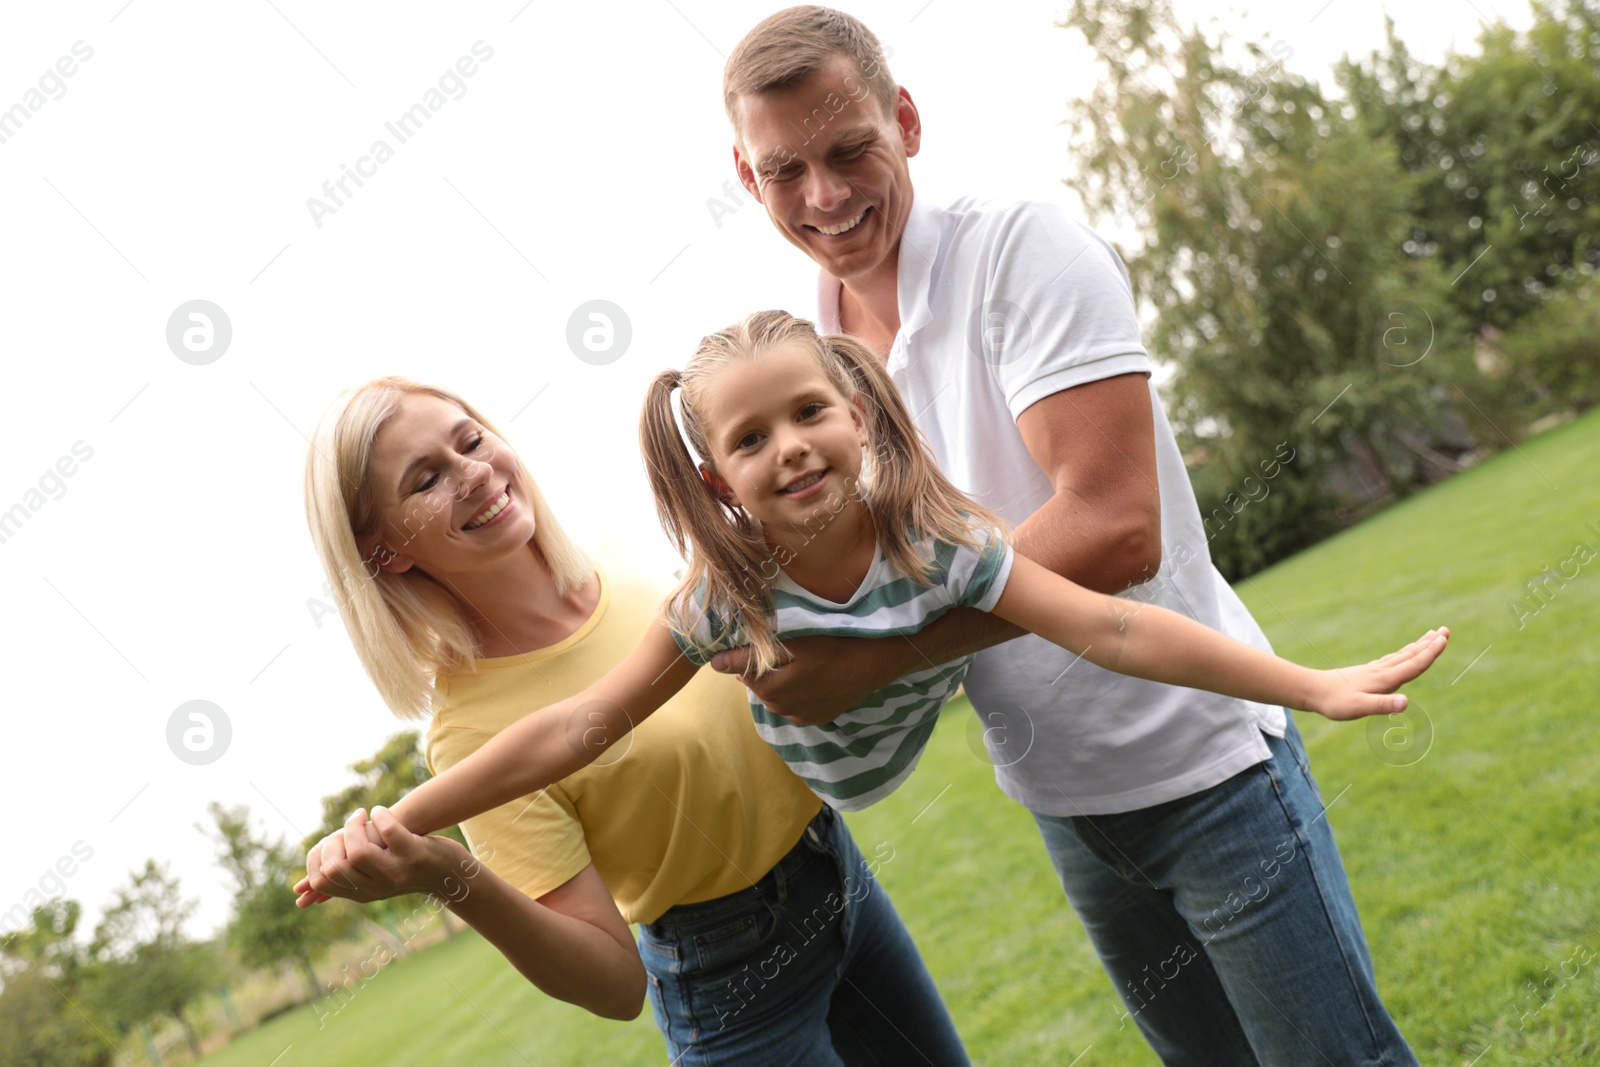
730,565
407,628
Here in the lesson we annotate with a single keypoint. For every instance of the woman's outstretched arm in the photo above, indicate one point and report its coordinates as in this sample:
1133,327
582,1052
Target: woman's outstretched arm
549,744
572,942
1146,641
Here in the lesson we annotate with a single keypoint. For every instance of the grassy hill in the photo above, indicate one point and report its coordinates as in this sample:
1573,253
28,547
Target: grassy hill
1471,829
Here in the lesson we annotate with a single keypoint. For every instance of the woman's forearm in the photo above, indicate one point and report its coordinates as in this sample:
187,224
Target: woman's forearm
563,956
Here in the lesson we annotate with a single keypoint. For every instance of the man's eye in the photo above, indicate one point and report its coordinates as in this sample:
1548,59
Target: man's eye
853,152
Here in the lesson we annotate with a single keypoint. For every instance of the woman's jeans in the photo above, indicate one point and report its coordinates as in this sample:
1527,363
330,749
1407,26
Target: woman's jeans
809,966
1227,925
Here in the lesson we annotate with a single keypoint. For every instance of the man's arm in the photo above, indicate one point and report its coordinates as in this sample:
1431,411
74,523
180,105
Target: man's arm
1101,528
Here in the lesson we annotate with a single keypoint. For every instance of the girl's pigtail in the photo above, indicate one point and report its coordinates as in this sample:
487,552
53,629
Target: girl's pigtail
674,479
908,496
722,545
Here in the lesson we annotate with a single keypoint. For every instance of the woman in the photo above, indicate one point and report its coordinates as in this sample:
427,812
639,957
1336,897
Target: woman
764,938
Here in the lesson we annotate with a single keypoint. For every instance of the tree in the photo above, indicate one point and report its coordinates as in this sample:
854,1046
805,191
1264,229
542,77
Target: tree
1503,145
392,772
1270,219
45,1019
1503,150
267,926
147,966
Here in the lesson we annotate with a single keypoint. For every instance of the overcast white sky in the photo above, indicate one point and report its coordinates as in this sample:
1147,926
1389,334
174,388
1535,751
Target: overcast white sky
175,163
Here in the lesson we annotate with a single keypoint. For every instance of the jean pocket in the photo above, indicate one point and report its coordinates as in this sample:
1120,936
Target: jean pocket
731,941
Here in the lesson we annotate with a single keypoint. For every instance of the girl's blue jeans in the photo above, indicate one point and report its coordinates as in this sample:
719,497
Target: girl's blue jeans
1226,922
810,966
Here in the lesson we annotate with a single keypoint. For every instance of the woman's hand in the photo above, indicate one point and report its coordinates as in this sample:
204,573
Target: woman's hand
377,859
1355,692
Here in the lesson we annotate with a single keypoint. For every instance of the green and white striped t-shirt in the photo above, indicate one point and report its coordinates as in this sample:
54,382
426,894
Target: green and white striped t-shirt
864,754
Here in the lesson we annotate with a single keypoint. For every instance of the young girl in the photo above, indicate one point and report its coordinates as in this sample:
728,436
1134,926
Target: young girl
815,508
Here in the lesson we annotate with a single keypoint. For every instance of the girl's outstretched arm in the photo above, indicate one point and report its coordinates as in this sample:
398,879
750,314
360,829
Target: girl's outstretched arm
1150,642
551,743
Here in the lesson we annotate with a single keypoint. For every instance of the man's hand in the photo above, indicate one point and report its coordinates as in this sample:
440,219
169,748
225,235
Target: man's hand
826,676
376,860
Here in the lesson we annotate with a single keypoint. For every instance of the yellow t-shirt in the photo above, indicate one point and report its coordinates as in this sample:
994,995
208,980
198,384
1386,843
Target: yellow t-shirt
690,806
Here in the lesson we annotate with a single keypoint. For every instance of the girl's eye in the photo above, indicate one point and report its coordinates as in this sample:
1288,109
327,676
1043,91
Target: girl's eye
811,410
749,440
426,485
472,446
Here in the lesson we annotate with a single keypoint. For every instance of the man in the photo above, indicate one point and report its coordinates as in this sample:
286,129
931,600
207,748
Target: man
1186,829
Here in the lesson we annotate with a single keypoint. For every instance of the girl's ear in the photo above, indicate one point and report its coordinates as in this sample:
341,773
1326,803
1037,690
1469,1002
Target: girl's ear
858,415
719,486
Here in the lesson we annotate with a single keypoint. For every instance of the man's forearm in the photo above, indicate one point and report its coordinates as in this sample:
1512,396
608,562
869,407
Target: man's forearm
959,633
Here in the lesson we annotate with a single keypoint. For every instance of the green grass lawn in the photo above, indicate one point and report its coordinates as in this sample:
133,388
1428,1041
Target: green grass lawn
1473,854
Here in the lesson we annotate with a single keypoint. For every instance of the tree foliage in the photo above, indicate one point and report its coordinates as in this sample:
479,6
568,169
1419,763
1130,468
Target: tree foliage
392,772
267,926
146,964
1305,255
45,1018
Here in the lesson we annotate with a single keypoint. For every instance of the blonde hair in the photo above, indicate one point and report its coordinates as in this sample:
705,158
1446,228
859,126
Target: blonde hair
730,565
406,628
792,45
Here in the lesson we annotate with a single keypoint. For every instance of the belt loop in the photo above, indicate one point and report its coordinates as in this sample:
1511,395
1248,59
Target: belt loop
780,884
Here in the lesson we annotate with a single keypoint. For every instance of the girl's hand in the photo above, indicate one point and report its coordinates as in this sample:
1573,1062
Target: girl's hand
375,859
1355,692
331,845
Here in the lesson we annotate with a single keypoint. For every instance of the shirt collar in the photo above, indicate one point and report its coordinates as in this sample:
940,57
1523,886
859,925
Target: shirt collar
919,245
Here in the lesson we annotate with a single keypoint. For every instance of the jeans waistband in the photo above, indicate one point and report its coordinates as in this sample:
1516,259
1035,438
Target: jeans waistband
773,883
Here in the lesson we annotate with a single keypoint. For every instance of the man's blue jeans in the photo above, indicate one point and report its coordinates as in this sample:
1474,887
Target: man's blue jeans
1226,923
810,966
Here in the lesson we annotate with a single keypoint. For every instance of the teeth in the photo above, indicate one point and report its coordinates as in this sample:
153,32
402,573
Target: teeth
495,509
843,227
805,483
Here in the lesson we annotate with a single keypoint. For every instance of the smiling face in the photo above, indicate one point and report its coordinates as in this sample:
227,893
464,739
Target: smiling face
783,439
829,165
450,496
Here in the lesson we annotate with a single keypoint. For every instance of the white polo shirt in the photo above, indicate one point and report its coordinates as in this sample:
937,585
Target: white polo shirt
1001,306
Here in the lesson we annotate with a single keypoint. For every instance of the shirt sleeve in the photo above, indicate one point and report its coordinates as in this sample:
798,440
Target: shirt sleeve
978,576
535,843
1061,296
709,634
